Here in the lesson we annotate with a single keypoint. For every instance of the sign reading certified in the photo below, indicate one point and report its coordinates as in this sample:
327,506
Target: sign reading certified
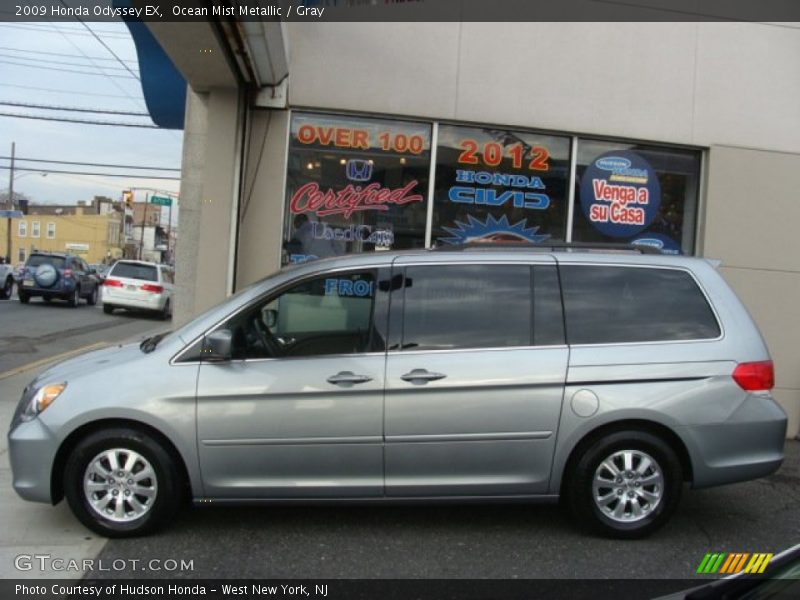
620,194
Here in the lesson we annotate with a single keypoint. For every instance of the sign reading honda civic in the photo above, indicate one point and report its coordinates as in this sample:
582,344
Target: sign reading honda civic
620,194
355,184
492,184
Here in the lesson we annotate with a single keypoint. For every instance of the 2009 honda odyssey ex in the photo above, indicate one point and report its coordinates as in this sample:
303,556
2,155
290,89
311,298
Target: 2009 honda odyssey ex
606,378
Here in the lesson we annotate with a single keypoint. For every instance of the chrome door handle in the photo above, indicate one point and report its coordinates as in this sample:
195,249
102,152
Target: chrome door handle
422,376
348,377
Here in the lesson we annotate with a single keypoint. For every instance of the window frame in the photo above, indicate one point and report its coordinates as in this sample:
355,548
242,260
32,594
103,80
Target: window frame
691,274
22,228
51,231
575,138
36,229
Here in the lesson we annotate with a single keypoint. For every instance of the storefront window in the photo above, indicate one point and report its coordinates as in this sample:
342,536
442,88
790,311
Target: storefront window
355,185
633,193
498,185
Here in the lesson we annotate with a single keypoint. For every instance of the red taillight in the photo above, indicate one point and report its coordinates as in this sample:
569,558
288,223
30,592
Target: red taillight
112,283
149,287
755,376
67,272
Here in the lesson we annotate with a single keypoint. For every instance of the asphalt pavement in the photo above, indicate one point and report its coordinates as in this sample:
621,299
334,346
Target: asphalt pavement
37,331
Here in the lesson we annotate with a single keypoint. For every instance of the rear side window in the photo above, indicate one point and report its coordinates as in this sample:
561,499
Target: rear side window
135,271
41,259
606,305
466,306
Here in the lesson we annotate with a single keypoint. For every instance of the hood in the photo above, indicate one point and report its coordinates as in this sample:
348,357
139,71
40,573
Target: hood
89,363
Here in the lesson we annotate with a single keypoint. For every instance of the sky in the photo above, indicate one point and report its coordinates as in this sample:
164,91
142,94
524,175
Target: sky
62,64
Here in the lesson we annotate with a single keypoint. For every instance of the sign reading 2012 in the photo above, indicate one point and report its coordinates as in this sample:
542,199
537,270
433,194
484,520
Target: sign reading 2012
492,154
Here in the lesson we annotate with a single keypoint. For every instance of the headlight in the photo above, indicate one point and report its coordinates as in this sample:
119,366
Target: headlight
43,398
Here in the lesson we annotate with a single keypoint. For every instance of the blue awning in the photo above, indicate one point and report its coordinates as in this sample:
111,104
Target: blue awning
163,86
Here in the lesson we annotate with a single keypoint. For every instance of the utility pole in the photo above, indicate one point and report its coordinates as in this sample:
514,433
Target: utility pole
169,234
10,204
144,222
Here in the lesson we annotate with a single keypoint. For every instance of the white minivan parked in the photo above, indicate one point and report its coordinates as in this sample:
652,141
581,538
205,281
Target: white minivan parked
139,285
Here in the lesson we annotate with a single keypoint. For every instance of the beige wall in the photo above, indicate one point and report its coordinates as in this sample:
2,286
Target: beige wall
751,214
688,83
101,233
208,192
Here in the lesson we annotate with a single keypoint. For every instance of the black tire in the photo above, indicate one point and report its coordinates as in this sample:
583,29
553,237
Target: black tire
8,288
169,495
74,298
165,314
91,300
108,309
580,494
23,297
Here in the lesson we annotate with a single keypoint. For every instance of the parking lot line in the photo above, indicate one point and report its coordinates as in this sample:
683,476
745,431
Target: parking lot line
43,361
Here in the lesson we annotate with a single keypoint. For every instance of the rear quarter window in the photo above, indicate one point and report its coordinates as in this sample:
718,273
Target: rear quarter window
607,305
135,271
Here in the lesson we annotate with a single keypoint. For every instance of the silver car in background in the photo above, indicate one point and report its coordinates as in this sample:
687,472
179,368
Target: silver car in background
607,378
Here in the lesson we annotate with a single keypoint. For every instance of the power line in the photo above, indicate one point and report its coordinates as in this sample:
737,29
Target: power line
113,81
126,175
114,54
74,109
8,62
87,122
36,59
57,91
128,60
88,164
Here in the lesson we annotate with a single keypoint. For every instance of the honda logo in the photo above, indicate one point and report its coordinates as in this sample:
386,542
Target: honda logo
359,170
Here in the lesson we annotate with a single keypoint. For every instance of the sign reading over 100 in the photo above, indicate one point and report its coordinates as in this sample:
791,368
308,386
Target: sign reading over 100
360,139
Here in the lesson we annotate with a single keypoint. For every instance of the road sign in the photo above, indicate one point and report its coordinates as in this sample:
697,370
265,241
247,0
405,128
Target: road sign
161,200
11,214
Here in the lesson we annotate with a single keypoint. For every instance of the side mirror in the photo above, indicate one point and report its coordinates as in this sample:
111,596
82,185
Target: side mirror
218,346
270,318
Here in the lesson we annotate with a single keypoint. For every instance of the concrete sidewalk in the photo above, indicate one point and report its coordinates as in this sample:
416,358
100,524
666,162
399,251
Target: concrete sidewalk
31,529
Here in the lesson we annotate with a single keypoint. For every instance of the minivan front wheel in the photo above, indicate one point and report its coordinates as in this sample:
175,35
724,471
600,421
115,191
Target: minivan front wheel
626,485
122,483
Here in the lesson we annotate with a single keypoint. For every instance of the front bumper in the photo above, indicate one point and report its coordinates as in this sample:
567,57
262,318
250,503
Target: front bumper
748,445
32,449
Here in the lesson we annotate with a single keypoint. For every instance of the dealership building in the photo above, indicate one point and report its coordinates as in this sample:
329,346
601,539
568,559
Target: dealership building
305,139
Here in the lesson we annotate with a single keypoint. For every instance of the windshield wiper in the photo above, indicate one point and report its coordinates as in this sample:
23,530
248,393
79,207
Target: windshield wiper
149,344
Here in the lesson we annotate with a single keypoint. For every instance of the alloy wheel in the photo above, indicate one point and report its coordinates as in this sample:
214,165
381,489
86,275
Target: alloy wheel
120,485
628,486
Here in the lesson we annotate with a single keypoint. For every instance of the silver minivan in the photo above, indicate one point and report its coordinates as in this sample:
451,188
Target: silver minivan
607,379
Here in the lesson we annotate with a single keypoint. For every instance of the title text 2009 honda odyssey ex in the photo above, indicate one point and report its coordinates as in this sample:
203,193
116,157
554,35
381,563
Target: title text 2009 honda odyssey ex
606,378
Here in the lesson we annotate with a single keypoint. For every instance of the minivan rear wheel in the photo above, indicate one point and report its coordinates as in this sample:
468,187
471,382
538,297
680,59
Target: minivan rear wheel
122,482
626,484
